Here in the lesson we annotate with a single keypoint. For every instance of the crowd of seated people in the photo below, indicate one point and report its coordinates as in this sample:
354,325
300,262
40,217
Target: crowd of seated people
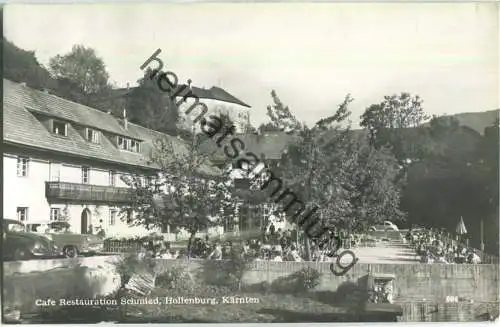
276,246
435,247
273,245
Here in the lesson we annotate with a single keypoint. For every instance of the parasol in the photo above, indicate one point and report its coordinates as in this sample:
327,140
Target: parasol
461,230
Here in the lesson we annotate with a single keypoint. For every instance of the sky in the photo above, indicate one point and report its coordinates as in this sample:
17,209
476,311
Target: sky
312,54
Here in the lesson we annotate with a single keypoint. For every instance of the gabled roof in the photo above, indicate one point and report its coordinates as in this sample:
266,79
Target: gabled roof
214,93
271,145
22,127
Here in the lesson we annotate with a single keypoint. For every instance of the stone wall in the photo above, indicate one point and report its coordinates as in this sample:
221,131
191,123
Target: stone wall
447,312
421,289
413,282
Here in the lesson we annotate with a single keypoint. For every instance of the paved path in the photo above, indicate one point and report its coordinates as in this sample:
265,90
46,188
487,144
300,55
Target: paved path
387,253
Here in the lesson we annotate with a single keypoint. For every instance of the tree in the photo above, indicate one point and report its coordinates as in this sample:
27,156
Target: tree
65,215
388,121
244,123
350,184
459,177
22,66
226,119
268,127
150,107
376,180
281,117
309,165
81,75
248,128
185,197
490,175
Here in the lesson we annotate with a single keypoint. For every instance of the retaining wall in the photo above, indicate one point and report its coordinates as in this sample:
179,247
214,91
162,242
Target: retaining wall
413,282
419,288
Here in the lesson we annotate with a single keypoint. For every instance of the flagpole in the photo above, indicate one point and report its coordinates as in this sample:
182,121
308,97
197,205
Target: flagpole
482,236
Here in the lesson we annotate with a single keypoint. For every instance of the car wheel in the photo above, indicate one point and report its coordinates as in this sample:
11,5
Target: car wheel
70,252
21,254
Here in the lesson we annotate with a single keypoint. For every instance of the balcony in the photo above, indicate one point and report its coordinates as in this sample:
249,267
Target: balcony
87,193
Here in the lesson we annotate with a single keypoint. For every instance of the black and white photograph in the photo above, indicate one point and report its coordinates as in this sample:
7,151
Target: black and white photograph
281,162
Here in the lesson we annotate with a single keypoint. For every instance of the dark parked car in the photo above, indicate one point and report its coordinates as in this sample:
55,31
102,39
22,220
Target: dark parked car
73,244
20,245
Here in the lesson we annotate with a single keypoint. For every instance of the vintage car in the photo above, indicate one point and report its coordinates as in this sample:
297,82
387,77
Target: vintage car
387,226
21,245
73,244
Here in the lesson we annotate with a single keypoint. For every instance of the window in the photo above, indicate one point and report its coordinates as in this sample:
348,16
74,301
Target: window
112,217
93,135
229,224
85,175
128,144
130,216
55,172
33,227
122,143
55,214
22,167
22,213
59,128
134,146
112,178
141,181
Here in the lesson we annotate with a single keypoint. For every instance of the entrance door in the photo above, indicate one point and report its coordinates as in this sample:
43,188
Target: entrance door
85,221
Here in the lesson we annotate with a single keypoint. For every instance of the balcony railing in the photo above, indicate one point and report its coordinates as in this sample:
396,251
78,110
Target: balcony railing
87,193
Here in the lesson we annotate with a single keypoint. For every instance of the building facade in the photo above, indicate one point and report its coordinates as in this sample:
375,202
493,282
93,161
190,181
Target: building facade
66,161
239,115
217,101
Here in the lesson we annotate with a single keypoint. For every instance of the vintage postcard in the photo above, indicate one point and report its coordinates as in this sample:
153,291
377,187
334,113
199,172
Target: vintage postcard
250,163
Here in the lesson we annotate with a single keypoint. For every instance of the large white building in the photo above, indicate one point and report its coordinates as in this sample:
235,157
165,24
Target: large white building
64,160
217,100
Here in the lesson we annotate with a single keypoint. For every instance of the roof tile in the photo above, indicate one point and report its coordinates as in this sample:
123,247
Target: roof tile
21,126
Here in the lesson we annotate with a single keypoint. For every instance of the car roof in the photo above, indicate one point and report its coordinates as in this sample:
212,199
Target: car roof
12,221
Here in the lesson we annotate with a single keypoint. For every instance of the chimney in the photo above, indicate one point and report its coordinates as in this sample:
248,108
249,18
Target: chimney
128,86
189,84
125,120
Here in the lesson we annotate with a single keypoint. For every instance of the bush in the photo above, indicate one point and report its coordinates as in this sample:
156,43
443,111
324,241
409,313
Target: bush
132,263
226,272
175,278
236,266
301,281
307,278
